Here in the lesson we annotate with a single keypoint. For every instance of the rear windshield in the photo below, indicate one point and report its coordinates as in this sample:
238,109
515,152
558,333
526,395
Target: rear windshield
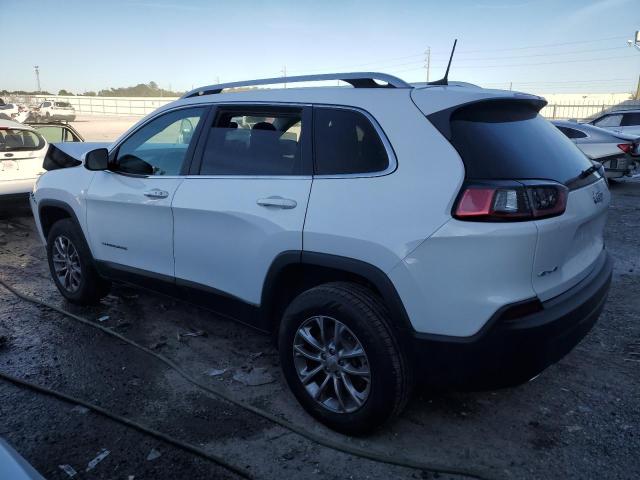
62,104
17,140
503,140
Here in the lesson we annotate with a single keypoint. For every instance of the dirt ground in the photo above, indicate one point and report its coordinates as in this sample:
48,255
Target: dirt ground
579,419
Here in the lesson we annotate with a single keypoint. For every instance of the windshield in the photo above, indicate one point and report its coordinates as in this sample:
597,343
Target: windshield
18,140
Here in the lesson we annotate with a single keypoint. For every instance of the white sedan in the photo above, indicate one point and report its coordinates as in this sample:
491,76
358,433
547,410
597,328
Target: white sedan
22,151
618,153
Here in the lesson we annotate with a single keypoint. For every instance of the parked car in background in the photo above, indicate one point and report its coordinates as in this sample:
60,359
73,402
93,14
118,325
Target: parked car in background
55,132
622,121
446,233
54,110
618,153
22,152
9,111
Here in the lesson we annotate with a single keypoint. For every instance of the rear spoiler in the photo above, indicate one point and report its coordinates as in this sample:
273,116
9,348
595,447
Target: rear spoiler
68,154
442,118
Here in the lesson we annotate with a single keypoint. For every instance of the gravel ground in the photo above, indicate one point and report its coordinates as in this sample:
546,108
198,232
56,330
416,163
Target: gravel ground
579,419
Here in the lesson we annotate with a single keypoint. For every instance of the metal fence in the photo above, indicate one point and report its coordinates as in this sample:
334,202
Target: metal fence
581,110
118,106
139,106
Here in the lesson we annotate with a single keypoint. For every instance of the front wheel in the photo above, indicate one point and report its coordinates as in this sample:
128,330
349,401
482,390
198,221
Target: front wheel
71,265
341,358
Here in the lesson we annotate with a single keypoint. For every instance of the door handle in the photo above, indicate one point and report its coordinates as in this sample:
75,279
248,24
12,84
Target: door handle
156,193
278,202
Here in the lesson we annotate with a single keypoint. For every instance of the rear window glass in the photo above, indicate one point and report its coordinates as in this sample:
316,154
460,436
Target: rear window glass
345,142
500,140
631,119
16,140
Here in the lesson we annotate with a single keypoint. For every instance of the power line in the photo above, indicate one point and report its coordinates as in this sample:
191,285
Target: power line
524,64
565,81
547,54
458,63
463,52
548,45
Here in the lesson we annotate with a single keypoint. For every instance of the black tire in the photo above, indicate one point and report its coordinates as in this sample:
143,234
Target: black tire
91,287
364,314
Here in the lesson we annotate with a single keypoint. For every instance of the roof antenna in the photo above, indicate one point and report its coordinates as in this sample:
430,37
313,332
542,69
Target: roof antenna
445,80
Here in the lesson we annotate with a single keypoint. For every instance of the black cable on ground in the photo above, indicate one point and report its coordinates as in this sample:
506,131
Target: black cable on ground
319,439
130,423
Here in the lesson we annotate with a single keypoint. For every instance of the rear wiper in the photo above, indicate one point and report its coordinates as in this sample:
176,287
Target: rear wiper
583,174
588,171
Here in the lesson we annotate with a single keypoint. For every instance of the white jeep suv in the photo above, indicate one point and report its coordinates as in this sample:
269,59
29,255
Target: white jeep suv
54,110
383,233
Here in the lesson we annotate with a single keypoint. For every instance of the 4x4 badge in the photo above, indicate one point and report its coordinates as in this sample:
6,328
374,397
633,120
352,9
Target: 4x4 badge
597,196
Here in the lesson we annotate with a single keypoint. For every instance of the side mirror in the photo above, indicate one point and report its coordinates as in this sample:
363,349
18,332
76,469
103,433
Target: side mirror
97,159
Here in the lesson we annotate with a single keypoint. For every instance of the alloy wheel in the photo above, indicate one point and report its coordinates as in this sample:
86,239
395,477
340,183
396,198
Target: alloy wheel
332,364
66,264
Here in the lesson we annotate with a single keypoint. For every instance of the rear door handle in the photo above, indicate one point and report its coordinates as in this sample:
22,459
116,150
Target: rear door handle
156,193
278,202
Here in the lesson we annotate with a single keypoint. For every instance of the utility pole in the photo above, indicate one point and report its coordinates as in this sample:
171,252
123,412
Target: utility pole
37,69
636,44
284,74
427,61
510,86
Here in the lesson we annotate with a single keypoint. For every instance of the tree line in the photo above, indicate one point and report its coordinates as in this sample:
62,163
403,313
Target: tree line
150,89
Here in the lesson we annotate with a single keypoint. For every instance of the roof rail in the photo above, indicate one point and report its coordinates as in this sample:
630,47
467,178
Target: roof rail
356,79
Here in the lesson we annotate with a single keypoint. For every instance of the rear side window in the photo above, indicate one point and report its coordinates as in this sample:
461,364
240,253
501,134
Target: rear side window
506,140
345,142
631,119
609,121
572,133
255,141
17,140
62,104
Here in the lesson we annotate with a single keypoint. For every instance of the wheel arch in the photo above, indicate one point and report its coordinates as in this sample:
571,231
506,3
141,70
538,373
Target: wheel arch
51,211
294,272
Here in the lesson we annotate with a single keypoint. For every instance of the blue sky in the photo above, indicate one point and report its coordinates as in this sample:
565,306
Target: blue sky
542,46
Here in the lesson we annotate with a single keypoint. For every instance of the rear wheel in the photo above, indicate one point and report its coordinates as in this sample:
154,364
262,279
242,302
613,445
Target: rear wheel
341,358
71,265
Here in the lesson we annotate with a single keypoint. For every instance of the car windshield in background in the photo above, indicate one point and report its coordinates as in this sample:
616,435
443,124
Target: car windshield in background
17,140
63,104
510,141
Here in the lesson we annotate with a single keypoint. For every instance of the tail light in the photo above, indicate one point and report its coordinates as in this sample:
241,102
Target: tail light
510,202
625,147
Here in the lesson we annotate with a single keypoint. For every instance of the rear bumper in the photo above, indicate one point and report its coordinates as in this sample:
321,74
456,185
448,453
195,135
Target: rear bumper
510,351
69,117
16,187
